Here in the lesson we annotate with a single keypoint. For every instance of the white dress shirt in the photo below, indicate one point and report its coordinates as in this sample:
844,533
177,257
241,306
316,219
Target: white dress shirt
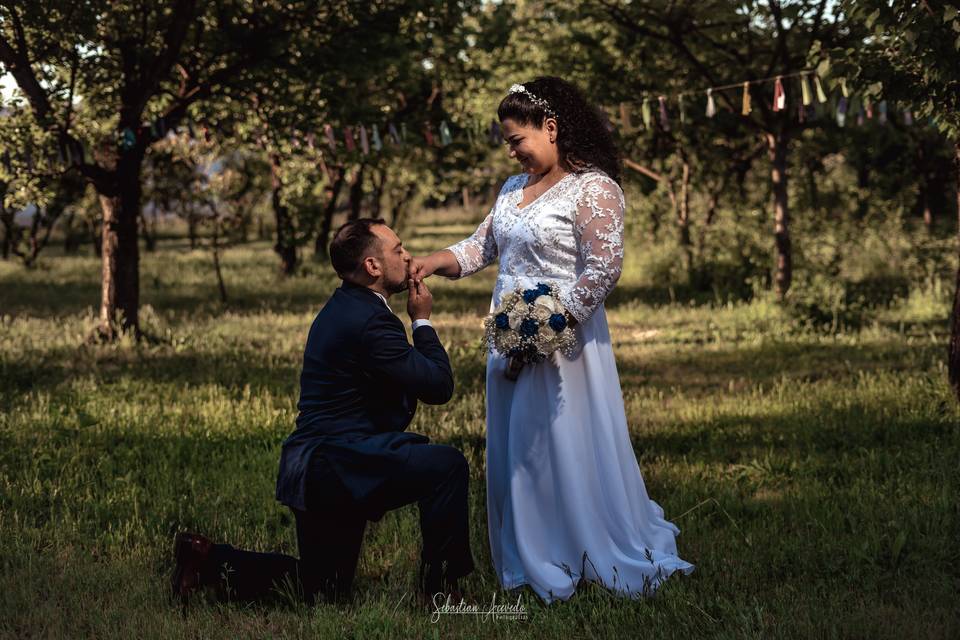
422,322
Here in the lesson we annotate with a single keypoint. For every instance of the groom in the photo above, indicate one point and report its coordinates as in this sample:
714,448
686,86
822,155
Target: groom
350,460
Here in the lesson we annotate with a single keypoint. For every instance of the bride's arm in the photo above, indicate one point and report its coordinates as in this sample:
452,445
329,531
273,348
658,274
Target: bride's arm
599,232
443,263
461,259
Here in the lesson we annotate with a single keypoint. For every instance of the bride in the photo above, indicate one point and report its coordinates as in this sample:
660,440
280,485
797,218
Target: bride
565,498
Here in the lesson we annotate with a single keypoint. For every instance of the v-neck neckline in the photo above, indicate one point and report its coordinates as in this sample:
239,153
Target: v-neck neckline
534,201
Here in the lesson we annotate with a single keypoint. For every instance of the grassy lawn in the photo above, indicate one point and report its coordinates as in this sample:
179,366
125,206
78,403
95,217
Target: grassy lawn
815,478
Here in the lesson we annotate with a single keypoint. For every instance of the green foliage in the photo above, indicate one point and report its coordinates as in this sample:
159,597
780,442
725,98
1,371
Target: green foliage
912,56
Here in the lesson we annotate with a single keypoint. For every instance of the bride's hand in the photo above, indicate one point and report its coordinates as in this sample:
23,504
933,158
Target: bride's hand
420,268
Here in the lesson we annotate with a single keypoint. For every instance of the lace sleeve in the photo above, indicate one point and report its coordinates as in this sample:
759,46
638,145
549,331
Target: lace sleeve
599,232
477,251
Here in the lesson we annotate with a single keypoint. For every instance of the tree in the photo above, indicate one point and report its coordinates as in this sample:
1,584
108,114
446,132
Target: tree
912,56
139,69
719,43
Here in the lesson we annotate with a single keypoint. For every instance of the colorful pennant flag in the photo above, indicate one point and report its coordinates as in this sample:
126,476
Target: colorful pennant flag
364,142
445,137
664,121
779,97
821,96
348,139
331,139
842,111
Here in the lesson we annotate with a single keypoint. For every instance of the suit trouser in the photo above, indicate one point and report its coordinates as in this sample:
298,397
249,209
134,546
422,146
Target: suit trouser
330,531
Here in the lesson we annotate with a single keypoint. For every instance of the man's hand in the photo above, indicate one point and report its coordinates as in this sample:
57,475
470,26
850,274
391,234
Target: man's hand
419,300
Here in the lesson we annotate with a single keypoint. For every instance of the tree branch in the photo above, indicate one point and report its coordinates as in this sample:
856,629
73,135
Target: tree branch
17,63
627,162
173,40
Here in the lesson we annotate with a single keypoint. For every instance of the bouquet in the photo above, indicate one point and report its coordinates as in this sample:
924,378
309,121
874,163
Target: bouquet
528,326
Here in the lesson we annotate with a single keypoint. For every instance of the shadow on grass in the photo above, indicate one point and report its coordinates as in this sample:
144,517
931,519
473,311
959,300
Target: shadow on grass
695,371
824,433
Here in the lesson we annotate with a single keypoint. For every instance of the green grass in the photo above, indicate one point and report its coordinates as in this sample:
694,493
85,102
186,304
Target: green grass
814,476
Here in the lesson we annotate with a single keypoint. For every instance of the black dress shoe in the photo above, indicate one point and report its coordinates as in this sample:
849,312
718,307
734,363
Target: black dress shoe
191,552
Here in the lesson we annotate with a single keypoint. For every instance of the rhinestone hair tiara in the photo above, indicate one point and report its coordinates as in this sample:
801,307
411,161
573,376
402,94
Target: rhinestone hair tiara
540,102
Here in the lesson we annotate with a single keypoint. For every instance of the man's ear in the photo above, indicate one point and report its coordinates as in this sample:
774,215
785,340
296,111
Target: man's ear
372,266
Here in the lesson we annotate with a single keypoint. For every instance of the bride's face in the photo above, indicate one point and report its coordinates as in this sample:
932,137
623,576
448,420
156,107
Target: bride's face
535,148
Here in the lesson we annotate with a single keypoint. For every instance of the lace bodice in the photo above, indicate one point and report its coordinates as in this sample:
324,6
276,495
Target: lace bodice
571,235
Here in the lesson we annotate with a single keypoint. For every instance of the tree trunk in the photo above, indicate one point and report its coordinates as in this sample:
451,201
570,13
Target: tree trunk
120,253
7,220
397,208
96,237
356,195
68,190
953,360
216,257
378,184
777,148
334,185
927,212
285,246
243,227
465,197
713,200
150,239
812,191
681,209
863,186
192,228
683,219
70,240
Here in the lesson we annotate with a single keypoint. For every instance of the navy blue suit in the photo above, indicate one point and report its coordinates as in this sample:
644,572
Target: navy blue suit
350,460
359,388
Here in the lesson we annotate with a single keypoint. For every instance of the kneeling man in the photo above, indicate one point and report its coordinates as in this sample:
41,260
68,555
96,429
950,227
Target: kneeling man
350,459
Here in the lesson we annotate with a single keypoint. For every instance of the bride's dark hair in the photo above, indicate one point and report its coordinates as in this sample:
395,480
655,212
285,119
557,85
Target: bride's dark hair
583,140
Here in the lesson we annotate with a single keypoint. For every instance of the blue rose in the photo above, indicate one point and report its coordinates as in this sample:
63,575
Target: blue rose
502,321
558,322
529,327
530,295
543,289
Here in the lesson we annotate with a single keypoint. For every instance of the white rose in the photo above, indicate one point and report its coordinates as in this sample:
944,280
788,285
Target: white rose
517,316
548,303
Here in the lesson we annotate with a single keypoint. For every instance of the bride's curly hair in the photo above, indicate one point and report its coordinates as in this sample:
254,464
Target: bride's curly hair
583,139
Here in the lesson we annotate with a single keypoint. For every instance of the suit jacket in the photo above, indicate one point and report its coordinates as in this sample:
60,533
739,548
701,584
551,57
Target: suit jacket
359,388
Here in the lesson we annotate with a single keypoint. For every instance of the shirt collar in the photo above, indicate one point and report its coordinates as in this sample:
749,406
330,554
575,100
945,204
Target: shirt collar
349,285
382,297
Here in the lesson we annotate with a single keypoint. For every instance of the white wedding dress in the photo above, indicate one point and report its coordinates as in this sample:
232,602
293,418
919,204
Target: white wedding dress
565,498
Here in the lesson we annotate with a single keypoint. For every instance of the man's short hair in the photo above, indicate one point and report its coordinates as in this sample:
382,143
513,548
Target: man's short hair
352,243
